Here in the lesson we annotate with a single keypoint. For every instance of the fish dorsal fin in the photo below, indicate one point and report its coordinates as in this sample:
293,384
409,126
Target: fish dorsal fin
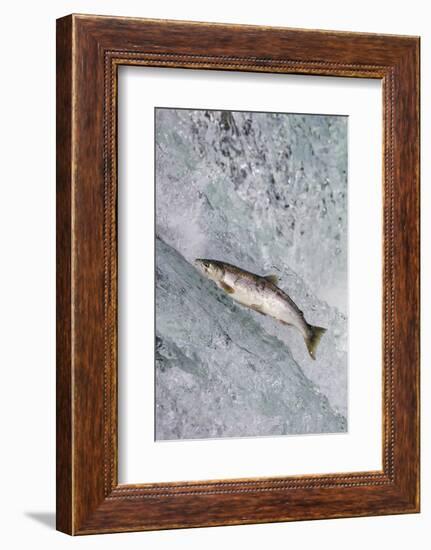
272,279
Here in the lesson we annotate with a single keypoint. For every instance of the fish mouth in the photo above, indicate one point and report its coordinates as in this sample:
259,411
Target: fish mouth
200,265
205,267
201,262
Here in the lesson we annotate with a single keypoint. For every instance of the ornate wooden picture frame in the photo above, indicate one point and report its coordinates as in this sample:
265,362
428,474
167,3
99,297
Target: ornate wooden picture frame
89,51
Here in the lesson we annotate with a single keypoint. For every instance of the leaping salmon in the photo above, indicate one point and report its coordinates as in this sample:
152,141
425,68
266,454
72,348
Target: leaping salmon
262,295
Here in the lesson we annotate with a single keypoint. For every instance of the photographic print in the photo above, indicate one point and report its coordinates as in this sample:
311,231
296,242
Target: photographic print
251,274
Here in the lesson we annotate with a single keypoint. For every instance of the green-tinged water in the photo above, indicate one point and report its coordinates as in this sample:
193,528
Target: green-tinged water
267,193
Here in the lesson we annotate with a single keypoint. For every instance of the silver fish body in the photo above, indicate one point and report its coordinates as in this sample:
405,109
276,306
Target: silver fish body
263,295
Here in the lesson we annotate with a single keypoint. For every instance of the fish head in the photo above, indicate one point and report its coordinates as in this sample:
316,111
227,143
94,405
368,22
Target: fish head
212,269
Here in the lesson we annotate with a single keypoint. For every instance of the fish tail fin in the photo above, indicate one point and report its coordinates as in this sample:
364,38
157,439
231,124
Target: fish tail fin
313,339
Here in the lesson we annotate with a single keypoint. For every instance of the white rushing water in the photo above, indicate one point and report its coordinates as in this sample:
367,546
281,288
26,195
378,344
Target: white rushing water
268,193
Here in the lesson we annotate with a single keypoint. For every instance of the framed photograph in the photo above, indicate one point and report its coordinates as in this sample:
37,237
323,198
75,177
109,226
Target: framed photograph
237,274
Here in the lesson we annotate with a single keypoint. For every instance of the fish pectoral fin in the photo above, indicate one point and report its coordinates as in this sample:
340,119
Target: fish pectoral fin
257,308
273,279
227,288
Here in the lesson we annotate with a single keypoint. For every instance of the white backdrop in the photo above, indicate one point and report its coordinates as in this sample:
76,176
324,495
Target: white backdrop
27,123
141,459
